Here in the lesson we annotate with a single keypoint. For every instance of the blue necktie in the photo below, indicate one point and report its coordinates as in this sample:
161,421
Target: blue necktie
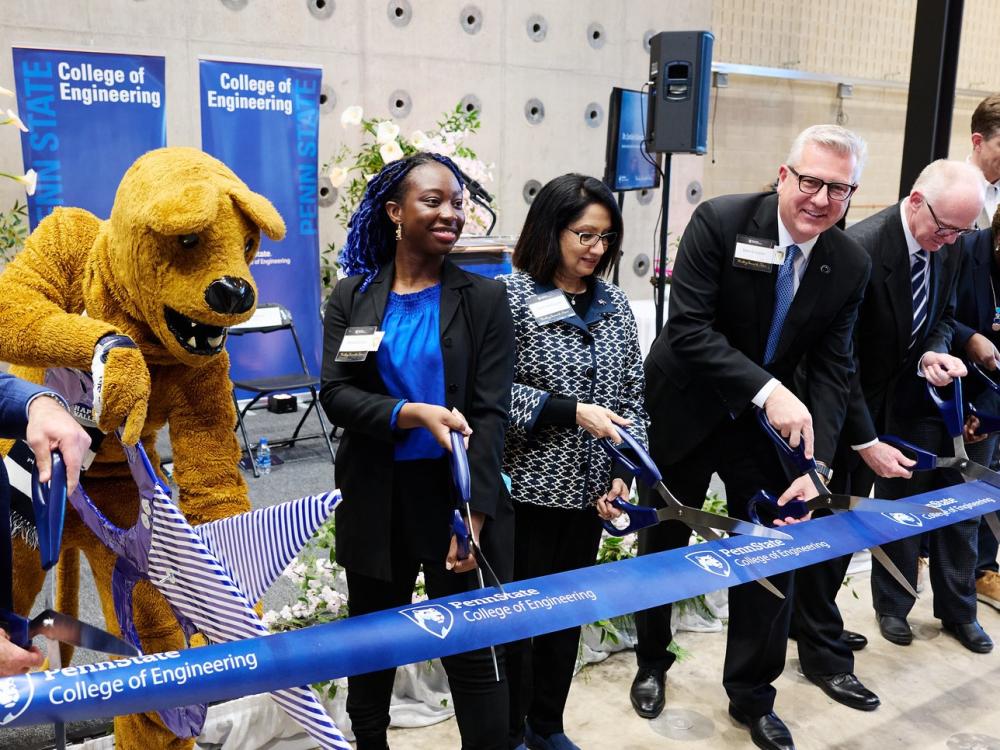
784,290
918,286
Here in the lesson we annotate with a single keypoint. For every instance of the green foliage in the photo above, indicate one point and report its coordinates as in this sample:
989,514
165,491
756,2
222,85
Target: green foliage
13,231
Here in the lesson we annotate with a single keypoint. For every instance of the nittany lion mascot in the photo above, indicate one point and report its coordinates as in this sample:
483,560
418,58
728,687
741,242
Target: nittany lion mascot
149,295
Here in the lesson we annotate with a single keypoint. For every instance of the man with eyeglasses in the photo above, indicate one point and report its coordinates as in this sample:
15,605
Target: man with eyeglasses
763,283
904,333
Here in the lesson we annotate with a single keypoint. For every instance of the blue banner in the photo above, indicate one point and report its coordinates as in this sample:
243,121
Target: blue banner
455,624
89,116
262,120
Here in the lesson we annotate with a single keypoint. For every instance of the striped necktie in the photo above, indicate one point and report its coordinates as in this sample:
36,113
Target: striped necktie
784,290
918,286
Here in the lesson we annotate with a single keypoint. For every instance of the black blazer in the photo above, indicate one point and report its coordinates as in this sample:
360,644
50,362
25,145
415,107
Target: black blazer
707,362
974,308
886,369
477,346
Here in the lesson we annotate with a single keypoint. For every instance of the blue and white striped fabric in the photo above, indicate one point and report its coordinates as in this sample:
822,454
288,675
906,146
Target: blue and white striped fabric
918,287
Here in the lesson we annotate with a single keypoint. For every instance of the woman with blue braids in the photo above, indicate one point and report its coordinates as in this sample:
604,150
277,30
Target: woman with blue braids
415,348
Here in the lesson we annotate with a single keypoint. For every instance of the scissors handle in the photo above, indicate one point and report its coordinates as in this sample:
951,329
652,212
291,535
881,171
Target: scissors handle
951,407
460,467
988,423
49,504
925,459
639,517
987,380
764,509
16,627
461,532
796,456
633,457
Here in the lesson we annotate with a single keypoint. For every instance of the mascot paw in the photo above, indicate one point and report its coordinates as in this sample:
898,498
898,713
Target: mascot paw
121,387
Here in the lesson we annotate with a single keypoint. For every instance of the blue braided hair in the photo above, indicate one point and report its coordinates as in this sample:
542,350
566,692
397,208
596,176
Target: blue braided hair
371,241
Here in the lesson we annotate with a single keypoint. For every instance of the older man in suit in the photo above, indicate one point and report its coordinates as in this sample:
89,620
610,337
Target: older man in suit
762,284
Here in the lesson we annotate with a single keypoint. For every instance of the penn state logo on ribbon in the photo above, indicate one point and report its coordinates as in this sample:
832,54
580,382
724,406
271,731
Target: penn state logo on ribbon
14,699
710,562
431,618
906,519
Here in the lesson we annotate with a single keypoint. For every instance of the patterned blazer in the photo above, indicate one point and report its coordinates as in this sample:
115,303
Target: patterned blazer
595,360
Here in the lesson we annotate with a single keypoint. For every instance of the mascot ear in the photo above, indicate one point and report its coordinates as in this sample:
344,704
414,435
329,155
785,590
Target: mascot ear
185,211
260,211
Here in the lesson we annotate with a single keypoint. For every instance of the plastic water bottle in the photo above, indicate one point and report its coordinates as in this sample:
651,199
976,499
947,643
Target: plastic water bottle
264,457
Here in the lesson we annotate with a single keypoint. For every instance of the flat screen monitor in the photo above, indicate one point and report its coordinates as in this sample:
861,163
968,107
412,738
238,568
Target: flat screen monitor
627,164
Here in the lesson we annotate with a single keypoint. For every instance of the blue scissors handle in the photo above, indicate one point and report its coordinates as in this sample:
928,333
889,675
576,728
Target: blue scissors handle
797,456
925,459
633,457
951,407
987,380
49,503
639,517
988,423
16,627
462,476
764,509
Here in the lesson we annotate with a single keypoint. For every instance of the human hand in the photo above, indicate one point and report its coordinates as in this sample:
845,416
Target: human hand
605,509
801,489
121,387
981,351
940,369
438,420
16,660
969,430
600,422
887,461
791,418
51,427
452,562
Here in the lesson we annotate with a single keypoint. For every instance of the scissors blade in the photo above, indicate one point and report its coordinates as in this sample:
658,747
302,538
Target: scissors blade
701,519
879,554
481,558
59,627
972,470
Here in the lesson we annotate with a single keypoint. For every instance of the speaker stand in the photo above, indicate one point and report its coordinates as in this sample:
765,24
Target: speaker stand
661,273
618,259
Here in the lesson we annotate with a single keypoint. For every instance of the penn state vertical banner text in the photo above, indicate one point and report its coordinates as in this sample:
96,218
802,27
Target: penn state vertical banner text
262,120
89,116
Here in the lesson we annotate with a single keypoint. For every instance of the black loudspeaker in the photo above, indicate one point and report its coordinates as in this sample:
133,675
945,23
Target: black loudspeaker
680,80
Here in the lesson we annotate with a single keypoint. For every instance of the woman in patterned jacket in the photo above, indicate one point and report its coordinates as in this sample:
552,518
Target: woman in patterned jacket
578,374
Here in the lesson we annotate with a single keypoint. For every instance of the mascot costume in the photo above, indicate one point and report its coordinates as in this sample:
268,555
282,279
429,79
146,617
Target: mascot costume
144,301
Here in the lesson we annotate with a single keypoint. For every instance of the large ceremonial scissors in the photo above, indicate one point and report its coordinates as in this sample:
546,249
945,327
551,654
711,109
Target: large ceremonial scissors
639,463
764,506
953,414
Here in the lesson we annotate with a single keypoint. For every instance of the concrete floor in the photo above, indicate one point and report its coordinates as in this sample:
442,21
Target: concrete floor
935,694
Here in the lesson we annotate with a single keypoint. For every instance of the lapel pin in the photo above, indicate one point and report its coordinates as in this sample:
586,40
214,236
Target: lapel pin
824,268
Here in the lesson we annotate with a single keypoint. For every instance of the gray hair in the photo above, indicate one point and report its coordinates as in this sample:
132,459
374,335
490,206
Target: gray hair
942,176
832,137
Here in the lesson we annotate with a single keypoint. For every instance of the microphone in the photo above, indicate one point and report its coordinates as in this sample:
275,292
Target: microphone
475,189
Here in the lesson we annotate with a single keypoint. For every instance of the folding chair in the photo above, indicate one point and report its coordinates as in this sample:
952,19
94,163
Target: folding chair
269,319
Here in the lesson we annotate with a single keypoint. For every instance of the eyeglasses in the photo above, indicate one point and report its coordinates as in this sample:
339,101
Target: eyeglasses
944,230
590,239
838,191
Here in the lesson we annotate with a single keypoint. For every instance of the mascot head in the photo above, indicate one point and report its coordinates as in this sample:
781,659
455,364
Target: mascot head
175,253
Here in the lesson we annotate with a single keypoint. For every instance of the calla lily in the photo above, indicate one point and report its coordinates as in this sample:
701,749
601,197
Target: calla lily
5,92
419,140
390,151
386,132
352,116
29,179
13,119
338,176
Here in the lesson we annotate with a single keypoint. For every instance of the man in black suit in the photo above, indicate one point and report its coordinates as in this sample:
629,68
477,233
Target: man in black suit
905,330
762,283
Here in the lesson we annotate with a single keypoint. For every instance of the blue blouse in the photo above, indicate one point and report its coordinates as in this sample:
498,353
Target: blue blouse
410,363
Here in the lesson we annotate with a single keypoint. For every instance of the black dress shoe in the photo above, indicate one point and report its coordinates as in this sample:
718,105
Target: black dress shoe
895,629
647,692
847,689
854,641
970,635
767,731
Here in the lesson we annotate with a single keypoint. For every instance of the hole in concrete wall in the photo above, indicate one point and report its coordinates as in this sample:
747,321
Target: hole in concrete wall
595,35
471,103
530,190
593,115
234,4
647,39
471,19
538,27
327,193
644,197
641,264
321,9
534,111
400,103
693,192
327,99
399,12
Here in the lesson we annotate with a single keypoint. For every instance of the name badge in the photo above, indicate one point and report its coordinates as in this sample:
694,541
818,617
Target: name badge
357,342
756,254
550,307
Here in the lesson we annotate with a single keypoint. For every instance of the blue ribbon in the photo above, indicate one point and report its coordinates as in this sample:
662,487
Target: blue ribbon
455,624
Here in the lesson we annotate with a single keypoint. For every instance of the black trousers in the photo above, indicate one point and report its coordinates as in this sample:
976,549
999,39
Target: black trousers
540,669
758,621
953,549
480,701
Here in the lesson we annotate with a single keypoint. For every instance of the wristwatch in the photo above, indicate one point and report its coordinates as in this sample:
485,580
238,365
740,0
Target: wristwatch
824,471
